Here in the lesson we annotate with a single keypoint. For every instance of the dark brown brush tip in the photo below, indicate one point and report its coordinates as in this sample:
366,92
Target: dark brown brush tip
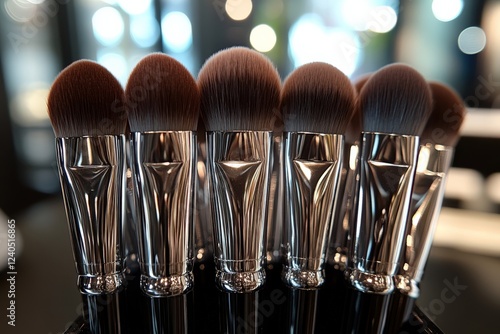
162,95
395,100
317,97
201,131
353,130
448,114
86,100
240,90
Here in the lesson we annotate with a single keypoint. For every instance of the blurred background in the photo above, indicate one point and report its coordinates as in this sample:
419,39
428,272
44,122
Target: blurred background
453,41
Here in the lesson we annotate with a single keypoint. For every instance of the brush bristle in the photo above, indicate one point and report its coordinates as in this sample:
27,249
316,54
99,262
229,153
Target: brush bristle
86,100
395,100
201,132
448,113
162,96
360,81
240,90
353,130
317,97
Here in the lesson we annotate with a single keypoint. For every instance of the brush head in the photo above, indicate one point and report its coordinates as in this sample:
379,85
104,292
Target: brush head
86,100
448,113
395,100
353,131
360,81
240,91
317,97
201,132
162,96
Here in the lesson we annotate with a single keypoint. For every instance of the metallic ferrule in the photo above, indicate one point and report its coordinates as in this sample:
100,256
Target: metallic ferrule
164,167
385,174
339,235
92,175
274,227
274,233
239,167
312,172
203,235
427,197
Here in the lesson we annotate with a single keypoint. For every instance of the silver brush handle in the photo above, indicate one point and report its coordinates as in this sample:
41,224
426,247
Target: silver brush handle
274,233
386,171
312,173
164,171
339,236
239,166
130,242
92,175
203,222
428,191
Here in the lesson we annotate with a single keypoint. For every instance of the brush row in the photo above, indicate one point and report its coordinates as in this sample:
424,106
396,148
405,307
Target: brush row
239,91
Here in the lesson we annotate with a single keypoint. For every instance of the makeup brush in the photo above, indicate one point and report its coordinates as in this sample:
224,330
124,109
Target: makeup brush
395,104
448,114
203,227
317,102
163,101
85,107
317,97
338,247
86,100
353,130
384,111
436,153
240,91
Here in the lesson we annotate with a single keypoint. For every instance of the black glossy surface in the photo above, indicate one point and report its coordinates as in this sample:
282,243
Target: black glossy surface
272,309
48,301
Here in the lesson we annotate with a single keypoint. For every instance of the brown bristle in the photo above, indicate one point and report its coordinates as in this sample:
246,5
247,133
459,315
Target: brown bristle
353,131
395,100
360,81
201,131
448,113
240,90
317,97
86,100
162,96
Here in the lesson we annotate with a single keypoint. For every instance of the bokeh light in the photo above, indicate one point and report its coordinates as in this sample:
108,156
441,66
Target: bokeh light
108,26
384,19
447,10
20,11
28,108
263,38
134,7
361,15
238,10
357,13
177,32
472,40
310,40
144,30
